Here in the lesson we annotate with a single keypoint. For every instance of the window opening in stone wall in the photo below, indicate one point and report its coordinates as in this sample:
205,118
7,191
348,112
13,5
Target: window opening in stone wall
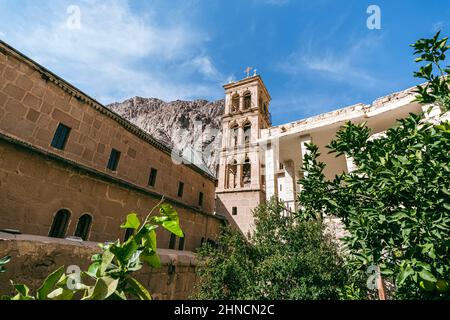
60,138
83,226
59,225
113,160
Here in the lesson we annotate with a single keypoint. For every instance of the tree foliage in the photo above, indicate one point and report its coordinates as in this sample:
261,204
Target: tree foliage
109,277
432,52
396,204
282,259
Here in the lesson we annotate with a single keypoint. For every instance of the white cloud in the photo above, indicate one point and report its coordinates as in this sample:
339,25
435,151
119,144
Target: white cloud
341,66
205,66
117,53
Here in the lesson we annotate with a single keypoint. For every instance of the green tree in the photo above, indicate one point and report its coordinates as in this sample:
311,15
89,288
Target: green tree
432,52
396,205
225,269
282,259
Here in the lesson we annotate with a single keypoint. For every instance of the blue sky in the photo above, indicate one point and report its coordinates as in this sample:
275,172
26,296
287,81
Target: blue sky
314,56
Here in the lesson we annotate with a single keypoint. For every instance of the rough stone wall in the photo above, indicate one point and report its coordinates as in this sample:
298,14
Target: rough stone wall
33,258
33,187
33,102
245,202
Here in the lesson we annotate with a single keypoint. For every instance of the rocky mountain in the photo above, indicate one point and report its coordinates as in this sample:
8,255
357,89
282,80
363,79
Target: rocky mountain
191,127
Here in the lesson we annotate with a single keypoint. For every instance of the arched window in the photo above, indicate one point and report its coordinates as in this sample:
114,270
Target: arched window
235,103
247,100
246,173
234,132
247,132
232,173
83,226
59,225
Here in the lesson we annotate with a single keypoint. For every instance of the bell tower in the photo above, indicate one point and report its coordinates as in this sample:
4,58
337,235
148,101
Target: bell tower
241,185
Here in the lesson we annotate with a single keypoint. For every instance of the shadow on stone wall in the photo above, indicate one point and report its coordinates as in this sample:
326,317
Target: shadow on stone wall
34,257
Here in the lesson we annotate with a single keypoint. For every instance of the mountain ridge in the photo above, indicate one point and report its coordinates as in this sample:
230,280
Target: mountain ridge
193,127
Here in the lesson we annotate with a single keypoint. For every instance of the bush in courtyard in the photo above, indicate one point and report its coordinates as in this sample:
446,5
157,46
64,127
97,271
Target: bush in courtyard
282,259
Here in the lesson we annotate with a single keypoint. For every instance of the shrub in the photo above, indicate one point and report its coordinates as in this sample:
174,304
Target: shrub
282,259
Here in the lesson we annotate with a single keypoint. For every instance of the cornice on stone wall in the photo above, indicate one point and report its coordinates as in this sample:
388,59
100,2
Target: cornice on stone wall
47,75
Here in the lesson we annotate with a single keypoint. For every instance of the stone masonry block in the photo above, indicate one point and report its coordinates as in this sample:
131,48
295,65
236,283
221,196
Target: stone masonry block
65,118
14,91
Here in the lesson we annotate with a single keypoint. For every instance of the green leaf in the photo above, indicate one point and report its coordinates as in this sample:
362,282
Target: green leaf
426,285
93,269
331,202
387,272
107,258
168,211
170,220
427,275
152,258
139,289
174,227
124,252
5,260
60,294
96,257
22,292
132,222
404,274
150,239
104,288
22,289
118,295
49,283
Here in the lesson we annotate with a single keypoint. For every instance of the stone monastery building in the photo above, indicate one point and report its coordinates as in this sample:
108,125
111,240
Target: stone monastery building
259,161
71,167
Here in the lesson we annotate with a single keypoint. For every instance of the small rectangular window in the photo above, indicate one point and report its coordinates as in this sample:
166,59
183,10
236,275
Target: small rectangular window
200,199
152,179
181,244
180,189
60,138
234,211
113,160
172,241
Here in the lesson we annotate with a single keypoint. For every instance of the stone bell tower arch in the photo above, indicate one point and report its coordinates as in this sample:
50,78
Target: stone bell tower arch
241,182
